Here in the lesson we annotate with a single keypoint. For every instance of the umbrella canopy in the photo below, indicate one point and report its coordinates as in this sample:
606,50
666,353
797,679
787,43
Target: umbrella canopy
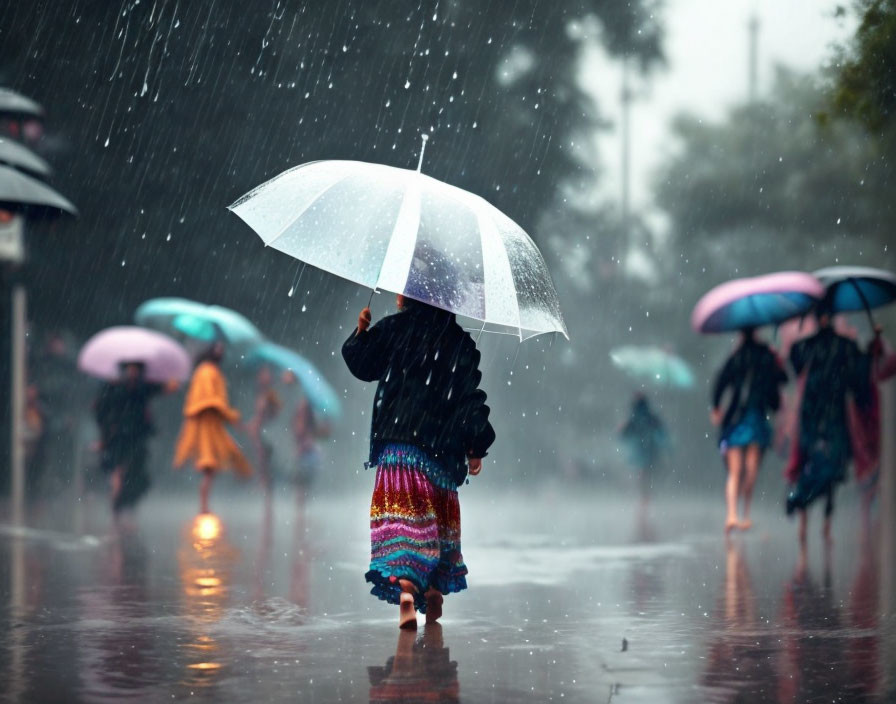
855,288
653,364
14,154
319,393
163,358
197,320
21,192
756,301
402,231
12,103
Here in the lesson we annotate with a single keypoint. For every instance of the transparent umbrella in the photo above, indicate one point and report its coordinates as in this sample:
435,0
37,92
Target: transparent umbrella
402,231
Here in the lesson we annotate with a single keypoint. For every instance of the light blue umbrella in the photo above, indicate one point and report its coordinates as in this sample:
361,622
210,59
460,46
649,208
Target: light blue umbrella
653,364
319,393
197,320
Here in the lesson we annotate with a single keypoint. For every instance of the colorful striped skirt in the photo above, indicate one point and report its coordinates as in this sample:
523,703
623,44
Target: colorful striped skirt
414,527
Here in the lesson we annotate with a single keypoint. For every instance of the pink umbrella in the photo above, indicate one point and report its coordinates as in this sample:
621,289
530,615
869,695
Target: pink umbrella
756,301
163,358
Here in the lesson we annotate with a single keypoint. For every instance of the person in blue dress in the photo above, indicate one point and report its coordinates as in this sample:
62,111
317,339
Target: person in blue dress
751,380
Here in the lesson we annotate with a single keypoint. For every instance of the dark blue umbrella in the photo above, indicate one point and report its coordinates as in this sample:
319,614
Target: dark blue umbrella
855,288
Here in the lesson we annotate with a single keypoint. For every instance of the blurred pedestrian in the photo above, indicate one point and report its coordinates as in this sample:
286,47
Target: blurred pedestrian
645,438
831,369
429,428
865,422
122,413
62,392
203,436
267,408
753,375
35,418
307,429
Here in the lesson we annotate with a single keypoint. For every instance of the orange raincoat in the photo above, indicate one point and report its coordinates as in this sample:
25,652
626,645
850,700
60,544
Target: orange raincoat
203,437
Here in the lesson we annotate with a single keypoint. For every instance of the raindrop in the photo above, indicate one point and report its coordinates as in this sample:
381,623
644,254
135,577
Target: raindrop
407,84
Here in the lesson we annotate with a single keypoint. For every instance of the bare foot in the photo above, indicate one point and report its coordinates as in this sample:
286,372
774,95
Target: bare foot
434,601
407,615
745,524
730,525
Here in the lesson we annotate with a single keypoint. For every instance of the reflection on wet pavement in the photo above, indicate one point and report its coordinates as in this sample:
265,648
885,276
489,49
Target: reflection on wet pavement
252,605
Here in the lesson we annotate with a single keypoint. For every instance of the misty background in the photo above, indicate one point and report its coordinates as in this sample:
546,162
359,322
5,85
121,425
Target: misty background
160,113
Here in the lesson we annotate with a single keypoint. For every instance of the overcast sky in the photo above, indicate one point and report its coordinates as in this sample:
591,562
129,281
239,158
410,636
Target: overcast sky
707,50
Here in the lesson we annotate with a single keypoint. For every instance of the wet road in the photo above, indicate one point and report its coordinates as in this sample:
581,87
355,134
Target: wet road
572,598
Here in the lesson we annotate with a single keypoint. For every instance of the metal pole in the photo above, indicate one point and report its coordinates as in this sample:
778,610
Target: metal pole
18,404
625,128
887,498
753,68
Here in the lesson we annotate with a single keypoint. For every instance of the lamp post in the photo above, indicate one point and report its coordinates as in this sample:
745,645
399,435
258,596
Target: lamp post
20,196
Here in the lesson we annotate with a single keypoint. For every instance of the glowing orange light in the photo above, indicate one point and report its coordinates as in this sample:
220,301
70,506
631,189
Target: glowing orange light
205,666
207,526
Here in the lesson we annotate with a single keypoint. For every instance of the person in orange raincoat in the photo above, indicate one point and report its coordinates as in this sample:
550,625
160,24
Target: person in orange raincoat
203,437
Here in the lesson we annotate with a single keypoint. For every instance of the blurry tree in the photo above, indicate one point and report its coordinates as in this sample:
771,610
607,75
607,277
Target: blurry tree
865,77
171,110
775,185
162,113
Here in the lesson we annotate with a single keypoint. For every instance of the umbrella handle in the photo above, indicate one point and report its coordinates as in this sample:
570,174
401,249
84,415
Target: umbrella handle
864,301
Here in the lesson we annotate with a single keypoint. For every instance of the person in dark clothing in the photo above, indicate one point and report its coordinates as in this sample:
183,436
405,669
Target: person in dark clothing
122,413
645,438
831,368
430,426
753,376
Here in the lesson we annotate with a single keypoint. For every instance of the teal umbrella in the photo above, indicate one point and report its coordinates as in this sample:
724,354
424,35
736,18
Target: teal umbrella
653,364
319,393
197,320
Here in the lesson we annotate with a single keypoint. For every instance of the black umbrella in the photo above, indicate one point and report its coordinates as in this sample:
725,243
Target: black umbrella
14,154
12,103
856,288
19,193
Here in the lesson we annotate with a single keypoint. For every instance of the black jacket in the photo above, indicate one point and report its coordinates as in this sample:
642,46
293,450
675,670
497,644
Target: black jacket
428,396
754,376
834,368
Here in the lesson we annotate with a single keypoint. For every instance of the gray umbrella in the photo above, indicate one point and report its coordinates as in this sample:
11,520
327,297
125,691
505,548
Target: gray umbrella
12,103
21,192
14,154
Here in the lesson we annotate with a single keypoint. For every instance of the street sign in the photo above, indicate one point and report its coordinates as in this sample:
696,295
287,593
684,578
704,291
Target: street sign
12,240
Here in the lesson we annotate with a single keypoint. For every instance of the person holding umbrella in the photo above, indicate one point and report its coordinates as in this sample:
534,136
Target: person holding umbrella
645,437
267,408
831,368
753,376
203,436
136,365
122,414
430,427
